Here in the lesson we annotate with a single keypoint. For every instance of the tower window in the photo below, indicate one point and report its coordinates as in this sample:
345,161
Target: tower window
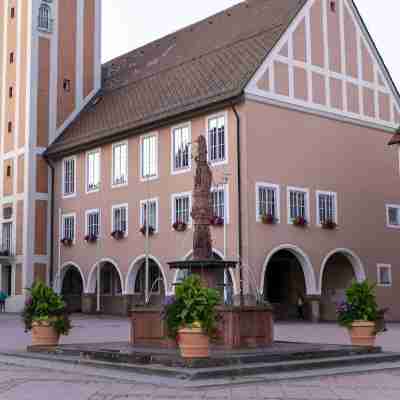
44,19
12,58
12,12
67,85
8,171
9,126
10,92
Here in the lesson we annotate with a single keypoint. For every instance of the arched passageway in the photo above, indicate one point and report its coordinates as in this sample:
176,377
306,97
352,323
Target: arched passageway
72,288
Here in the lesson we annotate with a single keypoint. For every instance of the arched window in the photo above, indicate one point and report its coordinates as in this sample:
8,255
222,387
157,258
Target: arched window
45,21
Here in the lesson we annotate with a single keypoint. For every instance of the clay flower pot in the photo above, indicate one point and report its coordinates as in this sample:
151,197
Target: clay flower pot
194,343
363,333
43,334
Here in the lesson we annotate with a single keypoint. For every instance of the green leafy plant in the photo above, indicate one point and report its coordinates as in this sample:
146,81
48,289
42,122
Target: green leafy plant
193,306
360,304
44,306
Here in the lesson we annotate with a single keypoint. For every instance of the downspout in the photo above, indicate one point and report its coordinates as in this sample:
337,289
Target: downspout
239,181
52,174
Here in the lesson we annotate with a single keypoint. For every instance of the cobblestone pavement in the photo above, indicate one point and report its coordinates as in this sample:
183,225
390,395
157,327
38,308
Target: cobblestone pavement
34,380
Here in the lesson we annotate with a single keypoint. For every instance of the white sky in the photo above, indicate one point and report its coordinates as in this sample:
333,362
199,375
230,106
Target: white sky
128,24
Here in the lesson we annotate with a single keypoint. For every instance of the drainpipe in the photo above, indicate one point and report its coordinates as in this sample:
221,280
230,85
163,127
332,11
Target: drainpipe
51,194
239,179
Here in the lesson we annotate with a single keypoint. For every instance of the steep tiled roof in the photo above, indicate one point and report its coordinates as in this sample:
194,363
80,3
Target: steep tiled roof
206,63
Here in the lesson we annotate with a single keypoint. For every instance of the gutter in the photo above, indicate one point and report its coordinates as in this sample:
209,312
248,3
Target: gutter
51,193
239,181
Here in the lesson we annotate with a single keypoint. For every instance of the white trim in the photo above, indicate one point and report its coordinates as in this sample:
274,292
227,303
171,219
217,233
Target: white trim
97,46
355,261
113,184
327,193
87,154
277,188
68,196
225,188
214,116
397,207
80,12
87,213
156,176
189,168
63,218
305,262
307,205
63,270
91,282
176,196
378,280
119,206
141,216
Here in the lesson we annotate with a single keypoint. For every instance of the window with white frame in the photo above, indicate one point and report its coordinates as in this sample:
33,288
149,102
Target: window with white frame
149,212
384,275
267,201
218,202
149,156
181,148
297,204
120,218
181,208
217,139
93,171
120,164
393,216
326,207
7,229
93,223
44,18
69,174
68,227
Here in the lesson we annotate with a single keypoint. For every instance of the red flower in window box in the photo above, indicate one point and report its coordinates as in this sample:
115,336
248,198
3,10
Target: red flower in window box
300,221
143,230
268,219
91,238
217,221
67,242
180,226
329,225
118,234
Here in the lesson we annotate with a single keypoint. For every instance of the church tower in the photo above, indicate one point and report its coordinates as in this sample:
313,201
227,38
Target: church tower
50,68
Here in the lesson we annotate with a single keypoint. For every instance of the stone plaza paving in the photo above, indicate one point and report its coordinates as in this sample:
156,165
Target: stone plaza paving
22,379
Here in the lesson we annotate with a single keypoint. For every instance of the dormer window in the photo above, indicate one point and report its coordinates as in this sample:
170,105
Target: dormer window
45,22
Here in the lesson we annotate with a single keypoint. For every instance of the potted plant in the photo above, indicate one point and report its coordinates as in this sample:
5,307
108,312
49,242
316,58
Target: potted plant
143,230
179,226
45,314
67,242
300,222
91,238
217,221
118,234
329,224
268,219
191,317
359,313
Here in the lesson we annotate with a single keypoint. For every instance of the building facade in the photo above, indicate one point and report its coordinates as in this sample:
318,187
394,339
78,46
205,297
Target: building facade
49,69
297,108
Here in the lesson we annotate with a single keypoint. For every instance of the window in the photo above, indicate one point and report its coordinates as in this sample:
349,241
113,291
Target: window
93,223
268,200
69,174
9,171
149,156
9,126
120,218
93,171
11,58
219,203
217,139
120,164
12,12
44,19
326,207
67,85
333,6
181,148
297,204
151,207
10,92
7,238
384,275
68,227
181,208
393,216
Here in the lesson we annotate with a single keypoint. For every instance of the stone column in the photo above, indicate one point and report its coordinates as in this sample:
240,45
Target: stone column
314,308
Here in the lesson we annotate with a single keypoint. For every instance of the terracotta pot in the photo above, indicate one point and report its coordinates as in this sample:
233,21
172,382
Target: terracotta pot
193,343
363,333
43,334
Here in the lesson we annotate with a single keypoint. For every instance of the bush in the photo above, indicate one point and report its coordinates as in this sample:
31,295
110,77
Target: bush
46,306
193,306
360,304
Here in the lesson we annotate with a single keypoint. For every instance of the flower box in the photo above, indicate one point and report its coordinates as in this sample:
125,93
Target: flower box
91,238
329,225
118,234
300,222
268,219
67,242
143,230
179,226
217,221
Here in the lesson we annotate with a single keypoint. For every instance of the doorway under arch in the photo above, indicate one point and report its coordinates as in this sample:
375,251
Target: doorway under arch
72,287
